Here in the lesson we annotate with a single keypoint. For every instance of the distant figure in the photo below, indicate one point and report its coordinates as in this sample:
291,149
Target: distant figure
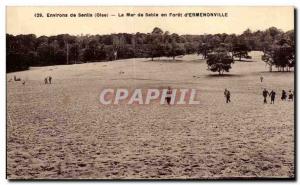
50,79
168,95
272,94
17,79
265,95
115,55
46,80
283,95
291,95
261,78
227,95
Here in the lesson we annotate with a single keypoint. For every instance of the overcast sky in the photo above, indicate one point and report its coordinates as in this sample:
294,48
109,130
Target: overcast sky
21,20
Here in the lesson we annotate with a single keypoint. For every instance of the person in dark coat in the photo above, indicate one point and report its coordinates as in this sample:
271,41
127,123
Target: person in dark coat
169,94
50,79
291,95
283,95
265,95
227,95
272,94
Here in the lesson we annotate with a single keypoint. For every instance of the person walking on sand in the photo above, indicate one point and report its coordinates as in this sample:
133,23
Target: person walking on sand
272,94
168,95
283,95
50,79
261,78
265,95
46,80
291,95
227,95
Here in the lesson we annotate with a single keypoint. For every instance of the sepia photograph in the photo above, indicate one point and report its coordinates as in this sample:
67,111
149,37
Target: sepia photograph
150,92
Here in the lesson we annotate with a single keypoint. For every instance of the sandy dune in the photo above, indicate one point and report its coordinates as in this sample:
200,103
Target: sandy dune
62,131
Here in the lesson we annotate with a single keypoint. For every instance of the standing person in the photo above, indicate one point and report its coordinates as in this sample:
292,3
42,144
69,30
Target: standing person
291,95
227,95
272,94
115,55
46,80
168,96
283,95
261,78
265,95
50,78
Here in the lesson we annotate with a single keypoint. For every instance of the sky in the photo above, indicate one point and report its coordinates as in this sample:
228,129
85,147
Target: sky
22,20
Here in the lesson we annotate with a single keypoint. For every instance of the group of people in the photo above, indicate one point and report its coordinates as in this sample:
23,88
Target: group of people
48,80
273,94
17,79
265,94
284,95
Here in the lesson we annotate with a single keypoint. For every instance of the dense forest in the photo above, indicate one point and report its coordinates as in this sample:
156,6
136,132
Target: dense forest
24,51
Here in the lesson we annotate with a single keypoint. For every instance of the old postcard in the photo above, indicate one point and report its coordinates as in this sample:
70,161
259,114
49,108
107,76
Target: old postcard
173,93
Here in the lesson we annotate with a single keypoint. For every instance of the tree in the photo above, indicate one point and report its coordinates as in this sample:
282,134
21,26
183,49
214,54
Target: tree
94,51
172,47
156,48
20,52
24,51
204,49
157,31
219,61
281,55
191,47
268,59
240,49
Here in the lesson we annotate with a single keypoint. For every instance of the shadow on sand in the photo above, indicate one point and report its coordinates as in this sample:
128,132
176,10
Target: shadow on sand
244,60
275,72
223,75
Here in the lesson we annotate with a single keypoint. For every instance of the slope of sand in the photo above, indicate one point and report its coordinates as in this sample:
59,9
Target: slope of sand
62,131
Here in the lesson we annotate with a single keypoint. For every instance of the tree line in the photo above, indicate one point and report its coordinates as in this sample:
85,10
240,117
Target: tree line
220,50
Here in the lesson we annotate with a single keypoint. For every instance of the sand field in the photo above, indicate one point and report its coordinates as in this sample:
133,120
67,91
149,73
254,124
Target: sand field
62,131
